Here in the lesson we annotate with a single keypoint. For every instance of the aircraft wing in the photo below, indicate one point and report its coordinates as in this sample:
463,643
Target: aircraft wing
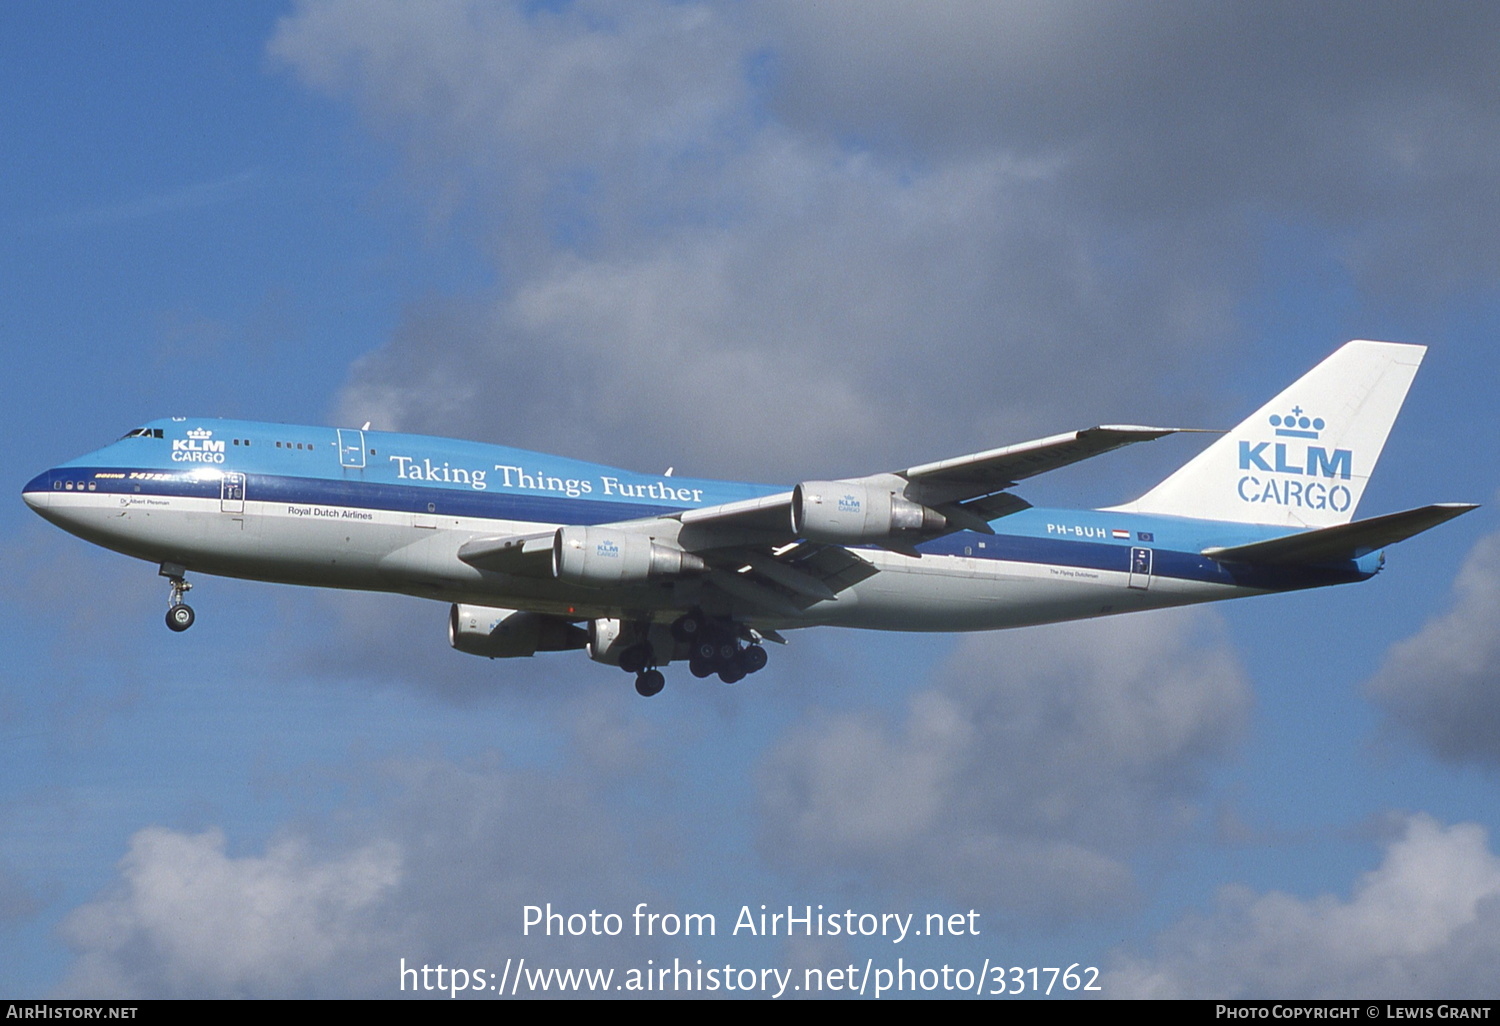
983,473
963,488
754,554
758,558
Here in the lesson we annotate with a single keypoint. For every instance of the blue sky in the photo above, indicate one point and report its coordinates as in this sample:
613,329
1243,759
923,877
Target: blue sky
779,242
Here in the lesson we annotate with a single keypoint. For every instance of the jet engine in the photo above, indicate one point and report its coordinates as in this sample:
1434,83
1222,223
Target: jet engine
601,556
843,512
508,633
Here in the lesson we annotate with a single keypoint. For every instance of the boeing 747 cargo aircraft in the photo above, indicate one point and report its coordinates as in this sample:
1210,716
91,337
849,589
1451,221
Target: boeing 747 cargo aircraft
540,553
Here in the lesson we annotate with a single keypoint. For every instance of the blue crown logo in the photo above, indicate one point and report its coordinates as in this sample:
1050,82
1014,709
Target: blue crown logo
1297,425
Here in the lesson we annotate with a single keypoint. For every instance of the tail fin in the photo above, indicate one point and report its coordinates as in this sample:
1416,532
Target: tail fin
1303,459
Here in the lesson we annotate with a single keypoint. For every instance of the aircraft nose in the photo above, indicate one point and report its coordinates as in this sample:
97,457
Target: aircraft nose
38,491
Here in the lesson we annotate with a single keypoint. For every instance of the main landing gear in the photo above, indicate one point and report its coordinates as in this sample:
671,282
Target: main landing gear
179,613
725,656
714,646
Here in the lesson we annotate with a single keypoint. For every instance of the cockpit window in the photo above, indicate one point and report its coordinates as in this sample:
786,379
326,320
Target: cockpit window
142,433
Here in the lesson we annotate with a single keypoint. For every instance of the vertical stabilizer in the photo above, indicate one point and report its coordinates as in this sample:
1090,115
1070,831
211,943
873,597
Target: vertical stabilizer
1303,459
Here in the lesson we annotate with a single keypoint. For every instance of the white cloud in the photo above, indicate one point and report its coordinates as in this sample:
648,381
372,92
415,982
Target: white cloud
187,919
432,862
681,278
726,238
1443,684
1041,763
1425,922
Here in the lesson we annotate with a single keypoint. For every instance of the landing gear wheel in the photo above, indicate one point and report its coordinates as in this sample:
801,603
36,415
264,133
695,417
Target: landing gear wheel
733,671
700,668
688,627
706,650
649,683
180,617
754,658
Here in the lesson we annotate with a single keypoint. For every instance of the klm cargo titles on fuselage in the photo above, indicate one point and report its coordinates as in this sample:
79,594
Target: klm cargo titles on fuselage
198,447
1285,458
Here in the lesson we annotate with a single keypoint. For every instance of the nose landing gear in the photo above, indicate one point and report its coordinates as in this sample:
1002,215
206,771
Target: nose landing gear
179,614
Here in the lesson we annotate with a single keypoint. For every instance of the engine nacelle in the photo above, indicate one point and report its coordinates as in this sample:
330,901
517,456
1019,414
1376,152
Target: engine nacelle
601,556
608,637
842,512
508,633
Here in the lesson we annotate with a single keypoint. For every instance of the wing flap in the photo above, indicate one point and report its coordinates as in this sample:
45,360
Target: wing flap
837,567
1342,541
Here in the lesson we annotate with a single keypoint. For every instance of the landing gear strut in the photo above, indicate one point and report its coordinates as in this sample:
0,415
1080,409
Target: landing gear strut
640,659
179,613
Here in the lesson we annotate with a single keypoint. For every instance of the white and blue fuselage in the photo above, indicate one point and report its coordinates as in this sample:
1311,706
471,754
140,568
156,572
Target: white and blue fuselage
542,553
380,511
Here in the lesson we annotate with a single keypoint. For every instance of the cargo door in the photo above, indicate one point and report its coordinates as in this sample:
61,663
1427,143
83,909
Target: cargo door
1140,568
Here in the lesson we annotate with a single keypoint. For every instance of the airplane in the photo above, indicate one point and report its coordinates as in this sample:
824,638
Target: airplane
539,553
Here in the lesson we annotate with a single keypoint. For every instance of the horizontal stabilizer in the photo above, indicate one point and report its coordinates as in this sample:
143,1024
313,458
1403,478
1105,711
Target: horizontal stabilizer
1343,541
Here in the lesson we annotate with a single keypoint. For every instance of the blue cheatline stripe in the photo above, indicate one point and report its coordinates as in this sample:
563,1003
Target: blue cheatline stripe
551,509
390,498
1189,566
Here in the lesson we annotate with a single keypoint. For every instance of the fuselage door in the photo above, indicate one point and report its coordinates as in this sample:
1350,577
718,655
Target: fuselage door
352,448
1140,568
232,492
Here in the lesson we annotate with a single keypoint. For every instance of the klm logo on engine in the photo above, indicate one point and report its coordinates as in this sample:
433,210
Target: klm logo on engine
607,548
849,504
1301,459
